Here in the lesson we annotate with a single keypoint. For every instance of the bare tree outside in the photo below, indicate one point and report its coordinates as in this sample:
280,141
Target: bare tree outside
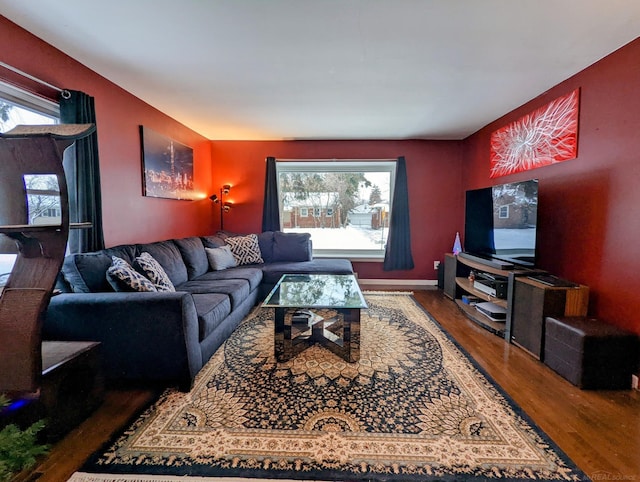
5,109
342,189
375,196
43,198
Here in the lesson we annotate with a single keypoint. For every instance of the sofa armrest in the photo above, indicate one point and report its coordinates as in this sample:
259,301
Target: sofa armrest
149,336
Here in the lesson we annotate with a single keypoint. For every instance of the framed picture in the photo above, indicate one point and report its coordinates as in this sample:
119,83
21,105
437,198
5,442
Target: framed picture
167,167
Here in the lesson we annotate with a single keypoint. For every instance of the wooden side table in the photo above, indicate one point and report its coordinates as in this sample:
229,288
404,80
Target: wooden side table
72,384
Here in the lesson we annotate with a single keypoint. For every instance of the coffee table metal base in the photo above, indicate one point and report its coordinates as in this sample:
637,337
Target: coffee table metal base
347,347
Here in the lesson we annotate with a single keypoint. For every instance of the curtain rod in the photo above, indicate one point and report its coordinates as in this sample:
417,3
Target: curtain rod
64,92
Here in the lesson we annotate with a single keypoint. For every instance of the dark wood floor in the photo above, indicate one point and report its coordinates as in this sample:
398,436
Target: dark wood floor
599,430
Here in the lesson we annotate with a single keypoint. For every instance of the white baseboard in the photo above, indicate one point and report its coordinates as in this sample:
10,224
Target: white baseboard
403,283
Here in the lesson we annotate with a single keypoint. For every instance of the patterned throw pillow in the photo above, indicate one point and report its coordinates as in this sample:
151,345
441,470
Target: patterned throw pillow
149,266
124,278
220,258
245,249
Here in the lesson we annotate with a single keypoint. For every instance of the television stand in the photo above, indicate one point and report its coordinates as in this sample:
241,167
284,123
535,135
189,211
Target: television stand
488,261
529,300
457,284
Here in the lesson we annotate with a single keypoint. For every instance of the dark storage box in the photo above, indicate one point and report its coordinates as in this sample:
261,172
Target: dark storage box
590,353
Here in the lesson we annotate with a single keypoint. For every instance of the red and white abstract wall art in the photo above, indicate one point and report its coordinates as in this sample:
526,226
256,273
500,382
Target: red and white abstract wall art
545,136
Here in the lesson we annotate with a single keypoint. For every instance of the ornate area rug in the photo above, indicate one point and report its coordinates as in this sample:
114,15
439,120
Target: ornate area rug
415,407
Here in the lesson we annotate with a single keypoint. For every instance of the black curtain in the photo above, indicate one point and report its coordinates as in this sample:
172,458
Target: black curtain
82,169
271,209
398,251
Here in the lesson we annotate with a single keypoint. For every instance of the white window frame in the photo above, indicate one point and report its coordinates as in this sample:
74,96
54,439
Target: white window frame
503,212
346,165
29,101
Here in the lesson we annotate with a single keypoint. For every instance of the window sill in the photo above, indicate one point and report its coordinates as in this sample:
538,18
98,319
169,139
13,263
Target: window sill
351,256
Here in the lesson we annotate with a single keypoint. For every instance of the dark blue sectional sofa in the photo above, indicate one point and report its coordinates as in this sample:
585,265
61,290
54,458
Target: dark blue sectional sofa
167,337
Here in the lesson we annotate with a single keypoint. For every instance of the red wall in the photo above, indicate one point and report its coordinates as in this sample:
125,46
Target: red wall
589,207
128,216
435,189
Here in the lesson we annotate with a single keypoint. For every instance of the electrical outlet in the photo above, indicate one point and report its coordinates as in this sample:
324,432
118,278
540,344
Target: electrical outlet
436,264
634,382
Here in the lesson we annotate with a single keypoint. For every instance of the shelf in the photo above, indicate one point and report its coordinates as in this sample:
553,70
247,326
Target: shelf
80,225
29,228
474,315
467,285
40,228
478,266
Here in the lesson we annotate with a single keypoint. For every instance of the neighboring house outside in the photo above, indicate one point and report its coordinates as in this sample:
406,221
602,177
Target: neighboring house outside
370,216
317,210
515,212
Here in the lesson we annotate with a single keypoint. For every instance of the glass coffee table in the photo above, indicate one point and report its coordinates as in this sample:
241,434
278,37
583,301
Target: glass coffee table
317,308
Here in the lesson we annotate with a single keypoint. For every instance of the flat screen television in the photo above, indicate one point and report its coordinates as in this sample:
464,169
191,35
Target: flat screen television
501,221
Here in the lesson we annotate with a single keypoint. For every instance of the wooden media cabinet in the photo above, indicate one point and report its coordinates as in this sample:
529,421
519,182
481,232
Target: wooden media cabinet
528,302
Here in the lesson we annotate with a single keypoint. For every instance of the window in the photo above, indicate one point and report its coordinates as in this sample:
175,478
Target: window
504,212
19,107
348,203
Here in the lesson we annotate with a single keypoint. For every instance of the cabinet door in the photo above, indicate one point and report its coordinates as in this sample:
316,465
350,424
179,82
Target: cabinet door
450,271
531,305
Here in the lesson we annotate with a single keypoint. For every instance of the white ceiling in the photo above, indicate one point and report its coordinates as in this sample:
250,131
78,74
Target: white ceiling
333,69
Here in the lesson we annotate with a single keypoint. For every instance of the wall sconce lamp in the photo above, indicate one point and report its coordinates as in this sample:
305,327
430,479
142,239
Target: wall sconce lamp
225,206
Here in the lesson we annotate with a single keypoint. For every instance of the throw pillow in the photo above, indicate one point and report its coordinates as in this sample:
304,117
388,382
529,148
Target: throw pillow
148,266
122,277
245,249
220,258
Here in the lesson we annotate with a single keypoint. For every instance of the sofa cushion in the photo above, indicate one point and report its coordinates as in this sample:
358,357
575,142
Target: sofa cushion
149,267
237,289
249,273
86,272
193,255
265,241
220,258
122,277
228,234
124,251
167,254
291,247
212,309
272,272
245,249
212,241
